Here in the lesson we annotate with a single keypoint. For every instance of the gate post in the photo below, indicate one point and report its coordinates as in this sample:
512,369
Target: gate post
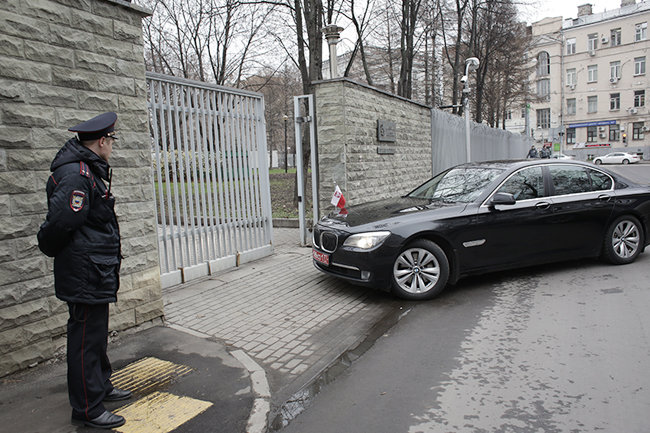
299,121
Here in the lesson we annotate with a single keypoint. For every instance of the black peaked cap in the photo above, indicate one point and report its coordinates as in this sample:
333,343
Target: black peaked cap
97,127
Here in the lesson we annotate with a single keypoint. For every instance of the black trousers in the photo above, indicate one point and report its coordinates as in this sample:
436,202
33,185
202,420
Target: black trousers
89,369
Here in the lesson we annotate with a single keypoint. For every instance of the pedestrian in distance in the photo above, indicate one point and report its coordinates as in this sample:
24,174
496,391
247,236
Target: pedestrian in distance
532,153
82,234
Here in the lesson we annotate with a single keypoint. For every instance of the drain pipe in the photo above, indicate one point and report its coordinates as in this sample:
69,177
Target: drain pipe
333,35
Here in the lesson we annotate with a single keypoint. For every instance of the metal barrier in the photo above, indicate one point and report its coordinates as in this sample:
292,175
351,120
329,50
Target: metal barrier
211,180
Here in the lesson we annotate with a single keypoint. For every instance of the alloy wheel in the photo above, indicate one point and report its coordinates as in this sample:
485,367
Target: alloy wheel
626,239
416,270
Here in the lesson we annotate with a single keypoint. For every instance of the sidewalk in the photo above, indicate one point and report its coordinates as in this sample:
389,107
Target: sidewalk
242,350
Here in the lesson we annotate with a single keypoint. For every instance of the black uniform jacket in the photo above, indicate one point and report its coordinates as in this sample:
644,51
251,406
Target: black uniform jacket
81,230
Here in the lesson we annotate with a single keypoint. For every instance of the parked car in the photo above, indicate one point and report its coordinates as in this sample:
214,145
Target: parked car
561,156
483,217
617,158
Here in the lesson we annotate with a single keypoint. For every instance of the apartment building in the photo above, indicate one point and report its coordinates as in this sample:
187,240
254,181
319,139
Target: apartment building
591,82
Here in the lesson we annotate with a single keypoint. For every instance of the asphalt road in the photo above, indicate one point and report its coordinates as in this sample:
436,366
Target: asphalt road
560,348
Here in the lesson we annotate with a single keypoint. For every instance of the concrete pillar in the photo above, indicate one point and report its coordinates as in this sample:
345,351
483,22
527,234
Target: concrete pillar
333,35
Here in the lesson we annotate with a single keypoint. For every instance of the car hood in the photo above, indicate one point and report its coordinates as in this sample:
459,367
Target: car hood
394,209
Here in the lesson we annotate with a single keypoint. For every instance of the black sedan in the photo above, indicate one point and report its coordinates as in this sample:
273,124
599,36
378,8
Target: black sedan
483,217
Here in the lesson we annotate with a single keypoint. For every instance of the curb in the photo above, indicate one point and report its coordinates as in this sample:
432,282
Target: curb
289,223
299,401
260,386
262,405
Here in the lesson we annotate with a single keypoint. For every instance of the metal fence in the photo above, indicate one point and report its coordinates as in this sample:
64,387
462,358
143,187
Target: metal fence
211,181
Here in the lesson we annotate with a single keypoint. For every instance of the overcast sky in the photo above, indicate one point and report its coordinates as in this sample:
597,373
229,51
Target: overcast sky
536,10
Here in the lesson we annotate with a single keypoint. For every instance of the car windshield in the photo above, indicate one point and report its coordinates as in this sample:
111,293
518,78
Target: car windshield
460,184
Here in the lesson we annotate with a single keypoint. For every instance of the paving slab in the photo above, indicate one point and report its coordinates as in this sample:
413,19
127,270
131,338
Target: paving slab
294,321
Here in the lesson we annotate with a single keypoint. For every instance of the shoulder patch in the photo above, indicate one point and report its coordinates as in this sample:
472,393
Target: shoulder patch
84,170
77,200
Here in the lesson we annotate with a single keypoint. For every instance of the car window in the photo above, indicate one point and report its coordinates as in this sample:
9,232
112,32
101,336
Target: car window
569,180
461,184
525,184
599,180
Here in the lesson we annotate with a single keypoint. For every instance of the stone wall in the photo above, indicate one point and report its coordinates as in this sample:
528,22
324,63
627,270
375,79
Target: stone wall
64,61
349,152
427,141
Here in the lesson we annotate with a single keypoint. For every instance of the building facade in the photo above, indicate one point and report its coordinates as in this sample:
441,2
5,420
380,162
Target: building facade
591,82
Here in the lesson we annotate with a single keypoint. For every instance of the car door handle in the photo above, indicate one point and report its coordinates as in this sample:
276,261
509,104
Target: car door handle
604,197
543,205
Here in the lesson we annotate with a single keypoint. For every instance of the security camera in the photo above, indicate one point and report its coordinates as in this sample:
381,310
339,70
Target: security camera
463,79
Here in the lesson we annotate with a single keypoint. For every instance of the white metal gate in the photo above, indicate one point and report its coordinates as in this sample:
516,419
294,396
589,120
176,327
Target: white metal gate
210,173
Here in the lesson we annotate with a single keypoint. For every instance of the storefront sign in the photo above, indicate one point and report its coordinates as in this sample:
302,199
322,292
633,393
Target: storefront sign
586,124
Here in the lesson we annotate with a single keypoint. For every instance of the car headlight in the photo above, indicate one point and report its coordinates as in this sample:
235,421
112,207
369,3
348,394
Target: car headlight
366,241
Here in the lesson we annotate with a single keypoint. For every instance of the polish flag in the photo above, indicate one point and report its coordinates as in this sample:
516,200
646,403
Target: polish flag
337,199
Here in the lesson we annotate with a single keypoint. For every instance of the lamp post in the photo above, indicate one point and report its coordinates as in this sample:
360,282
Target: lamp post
470,65
286,119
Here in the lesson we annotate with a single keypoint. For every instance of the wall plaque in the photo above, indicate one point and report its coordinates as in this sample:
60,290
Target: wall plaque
386,131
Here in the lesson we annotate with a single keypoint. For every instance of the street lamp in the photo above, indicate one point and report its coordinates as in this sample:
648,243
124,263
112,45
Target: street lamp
471,64
286,119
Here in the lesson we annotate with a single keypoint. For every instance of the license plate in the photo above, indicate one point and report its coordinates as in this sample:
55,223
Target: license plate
321,257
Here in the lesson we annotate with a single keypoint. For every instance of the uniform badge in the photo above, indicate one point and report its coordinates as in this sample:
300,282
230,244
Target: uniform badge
77,200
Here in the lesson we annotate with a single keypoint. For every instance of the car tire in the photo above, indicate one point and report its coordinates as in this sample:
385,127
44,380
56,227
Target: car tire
598,162
420,271
626,162
623,240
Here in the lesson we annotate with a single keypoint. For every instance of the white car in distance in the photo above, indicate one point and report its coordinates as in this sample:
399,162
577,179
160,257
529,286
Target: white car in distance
617,158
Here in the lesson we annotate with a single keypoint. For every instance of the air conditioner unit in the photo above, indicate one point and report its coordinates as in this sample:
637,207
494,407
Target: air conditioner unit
592,52
633,110
604,40
644,129
601,128
603,135
613,80
572,87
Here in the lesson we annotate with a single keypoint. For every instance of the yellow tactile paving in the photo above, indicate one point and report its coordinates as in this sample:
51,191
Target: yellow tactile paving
159,412
147,374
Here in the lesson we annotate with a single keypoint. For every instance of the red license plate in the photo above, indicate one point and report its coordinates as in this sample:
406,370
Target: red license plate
321,257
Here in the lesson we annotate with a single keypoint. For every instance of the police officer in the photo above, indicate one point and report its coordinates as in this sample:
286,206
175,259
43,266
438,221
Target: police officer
532,153
81,233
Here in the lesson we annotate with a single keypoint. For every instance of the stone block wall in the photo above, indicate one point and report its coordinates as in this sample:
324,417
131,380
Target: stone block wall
348,155
64,61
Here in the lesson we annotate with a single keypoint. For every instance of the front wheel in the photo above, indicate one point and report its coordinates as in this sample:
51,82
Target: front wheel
623,241
598,162
420,271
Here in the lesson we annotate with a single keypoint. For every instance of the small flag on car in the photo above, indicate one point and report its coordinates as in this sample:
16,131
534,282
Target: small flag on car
337,199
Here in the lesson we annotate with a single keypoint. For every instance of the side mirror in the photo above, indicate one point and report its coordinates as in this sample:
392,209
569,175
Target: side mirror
502,198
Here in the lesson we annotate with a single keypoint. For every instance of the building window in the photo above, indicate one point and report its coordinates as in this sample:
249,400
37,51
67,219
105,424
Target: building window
592,73
615,70
637,131
592,134
615,36
571,106
544,118
639,98
543,64
592,104
640,32
614,133
639,65
570,136
544,88
509,115
571,46
571,77
614,101
592,42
